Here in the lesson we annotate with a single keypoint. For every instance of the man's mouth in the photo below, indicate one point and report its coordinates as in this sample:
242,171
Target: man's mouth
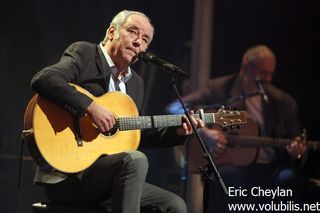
134,53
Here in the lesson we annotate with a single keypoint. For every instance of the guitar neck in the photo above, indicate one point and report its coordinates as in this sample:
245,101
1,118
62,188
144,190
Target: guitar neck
253,141
156,121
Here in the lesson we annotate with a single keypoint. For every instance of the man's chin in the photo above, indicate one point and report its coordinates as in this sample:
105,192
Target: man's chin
134,60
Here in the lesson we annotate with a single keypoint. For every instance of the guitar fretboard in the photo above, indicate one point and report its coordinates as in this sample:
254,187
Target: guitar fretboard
253,141
156,121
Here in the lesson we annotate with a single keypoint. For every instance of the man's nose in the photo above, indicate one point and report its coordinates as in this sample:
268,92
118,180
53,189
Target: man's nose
137,41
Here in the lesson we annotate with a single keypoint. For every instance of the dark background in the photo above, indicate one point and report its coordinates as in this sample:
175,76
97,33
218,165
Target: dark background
33,34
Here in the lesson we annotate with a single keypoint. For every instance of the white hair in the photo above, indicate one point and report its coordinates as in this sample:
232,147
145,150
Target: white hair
120,19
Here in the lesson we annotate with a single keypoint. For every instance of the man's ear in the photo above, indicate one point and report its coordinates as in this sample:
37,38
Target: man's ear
111,32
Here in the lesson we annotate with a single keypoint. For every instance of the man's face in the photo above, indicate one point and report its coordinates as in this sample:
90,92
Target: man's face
263,69
133,37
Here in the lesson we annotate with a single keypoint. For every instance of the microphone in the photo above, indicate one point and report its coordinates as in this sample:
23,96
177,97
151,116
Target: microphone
148,57
262,92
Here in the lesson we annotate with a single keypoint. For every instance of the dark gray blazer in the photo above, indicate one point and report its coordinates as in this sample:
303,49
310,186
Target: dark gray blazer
84,64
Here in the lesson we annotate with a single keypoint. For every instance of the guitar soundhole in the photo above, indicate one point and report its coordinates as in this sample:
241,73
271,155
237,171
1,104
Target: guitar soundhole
111,132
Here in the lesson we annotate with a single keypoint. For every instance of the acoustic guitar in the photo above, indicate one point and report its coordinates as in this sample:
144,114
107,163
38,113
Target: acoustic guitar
51,137
242,147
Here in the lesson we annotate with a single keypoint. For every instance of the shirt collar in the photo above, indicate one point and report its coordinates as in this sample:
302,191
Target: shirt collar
113,67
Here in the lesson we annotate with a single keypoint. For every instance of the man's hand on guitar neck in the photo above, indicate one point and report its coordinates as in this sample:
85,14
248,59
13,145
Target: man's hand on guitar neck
297,147
101,117
104,120
186,128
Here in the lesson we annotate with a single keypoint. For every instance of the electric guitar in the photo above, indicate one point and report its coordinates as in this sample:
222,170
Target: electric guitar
51,133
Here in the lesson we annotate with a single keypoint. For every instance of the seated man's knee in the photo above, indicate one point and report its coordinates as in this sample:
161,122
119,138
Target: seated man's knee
137,161
176,204
287,177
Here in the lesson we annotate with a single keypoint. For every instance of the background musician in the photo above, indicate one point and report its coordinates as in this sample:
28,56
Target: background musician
271,112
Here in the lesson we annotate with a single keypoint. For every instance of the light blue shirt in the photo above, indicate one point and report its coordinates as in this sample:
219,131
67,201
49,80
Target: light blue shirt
116,83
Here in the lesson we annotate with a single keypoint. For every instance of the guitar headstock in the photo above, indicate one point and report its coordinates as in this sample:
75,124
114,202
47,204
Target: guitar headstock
230,118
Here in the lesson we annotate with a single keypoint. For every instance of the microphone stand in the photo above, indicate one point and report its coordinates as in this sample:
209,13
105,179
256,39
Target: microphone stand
210,167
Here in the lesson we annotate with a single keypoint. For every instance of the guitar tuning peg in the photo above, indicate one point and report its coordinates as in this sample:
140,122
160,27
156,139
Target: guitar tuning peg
224,129
228,108
236,109
232,127
238,126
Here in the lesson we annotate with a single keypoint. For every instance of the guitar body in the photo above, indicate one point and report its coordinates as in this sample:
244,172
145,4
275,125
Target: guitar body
51,131
236,154
53,139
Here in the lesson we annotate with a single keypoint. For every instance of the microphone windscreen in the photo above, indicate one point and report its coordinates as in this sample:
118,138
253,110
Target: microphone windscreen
146,56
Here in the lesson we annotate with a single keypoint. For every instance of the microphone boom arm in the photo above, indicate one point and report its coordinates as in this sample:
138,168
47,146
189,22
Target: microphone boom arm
150,58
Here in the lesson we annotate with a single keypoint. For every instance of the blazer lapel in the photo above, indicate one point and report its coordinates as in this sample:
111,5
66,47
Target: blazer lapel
131,89
133,93
102,64
131,85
